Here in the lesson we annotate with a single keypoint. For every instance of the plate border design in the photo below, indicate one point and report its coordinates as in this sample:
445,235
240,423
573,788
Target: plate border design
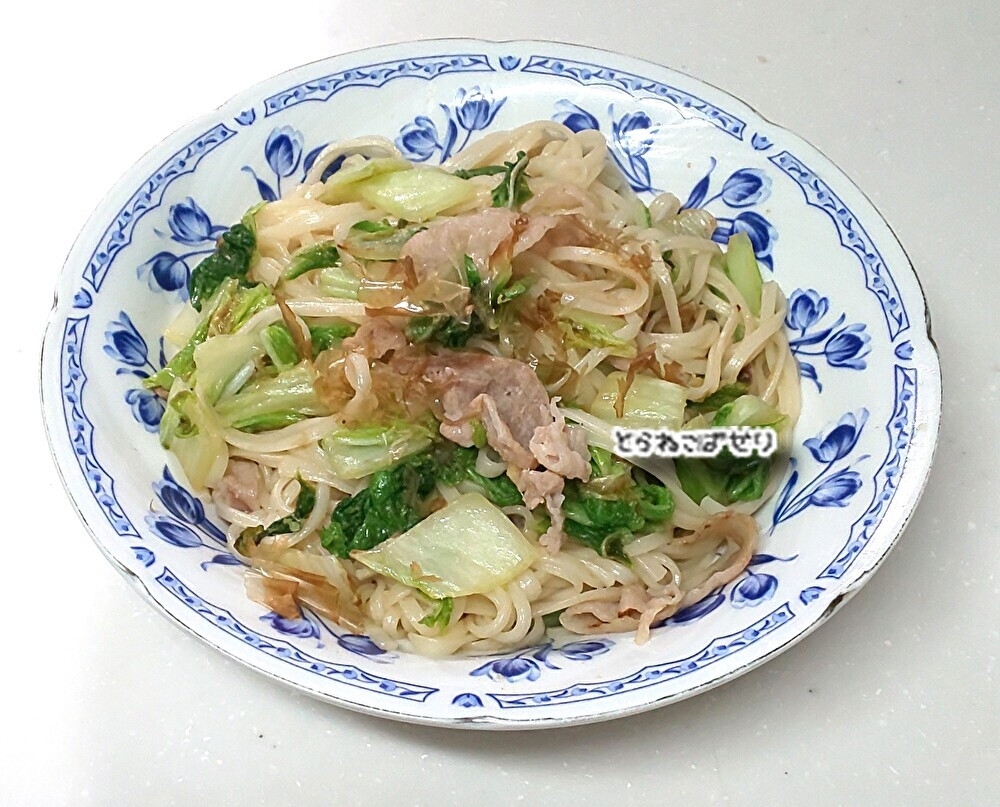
853,237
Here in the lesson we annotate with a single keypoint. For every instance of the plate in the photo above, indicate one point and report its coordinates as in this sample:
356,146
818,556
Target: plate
856,319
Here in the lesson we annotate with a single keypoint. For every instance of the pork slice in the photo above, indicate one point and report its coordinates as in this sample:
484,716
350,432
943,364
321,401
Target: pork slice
239,488
442,247
636,609
504,393
537,487
498,433
544,487
559,449
376,337
530,230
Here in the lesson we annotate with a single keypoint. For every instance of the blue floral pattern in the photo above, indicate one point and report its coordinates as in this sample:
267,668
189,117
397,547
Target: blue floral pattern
630,139
472,110
124,344
282,157
527,665
190,226
310,626
184,524
749,590
756,587
828,487
810,594
743,188
283,153
301,628
843,346
632,136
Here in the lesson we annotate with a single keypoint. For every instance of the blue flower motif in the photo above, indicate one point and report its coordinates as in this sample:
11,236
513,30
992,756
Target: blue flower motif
147,408
467,700
805,309
761,231
574,117
844,346
361,645
759,142
700,190
762,558
828,488
476,110
173,532
330,170
190,224
123,342
628,127
629,142
746,187
82,299
509,62
267,193
699,609
837,490
221,560
585,650
510,669
840,440
753,589
848,347
301,628
283,150
186,508
806,370
419,140
165,271
179,502
808,595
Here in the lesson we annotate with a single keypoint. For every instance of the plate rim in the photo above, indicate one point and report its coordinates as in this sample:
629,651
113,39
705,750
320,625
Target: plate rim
921,451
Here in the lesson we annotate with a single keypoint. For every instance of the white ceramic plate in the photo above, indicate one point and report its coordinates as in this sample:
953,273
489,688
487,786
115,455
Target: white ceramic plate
857,322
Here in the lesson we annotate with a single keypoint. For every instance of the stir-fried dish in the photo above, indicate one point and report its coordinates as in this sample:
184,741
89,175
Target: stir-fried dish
399,385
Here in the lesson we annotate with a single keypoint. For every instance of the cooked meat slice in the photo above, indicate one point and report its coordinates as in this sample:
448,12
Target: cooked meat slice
636,609
561,450
239,488
531,230
498,433
537,486
504,393
442,247
544,487
376,337
521,425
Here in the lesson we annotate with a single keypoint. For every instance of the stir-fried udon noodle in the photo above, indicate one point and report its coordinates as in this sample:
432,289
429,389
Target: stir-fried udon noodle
398,384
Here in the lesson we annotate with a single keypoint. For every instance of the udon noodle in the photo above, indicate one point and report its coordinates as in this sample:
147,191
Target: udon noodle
386,324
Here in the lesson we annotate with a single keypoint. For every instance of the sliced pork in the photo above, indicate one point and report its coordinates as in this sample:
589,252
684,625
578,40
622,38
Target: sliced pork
559,449
442,247
521,424
505,394
240,486
376,337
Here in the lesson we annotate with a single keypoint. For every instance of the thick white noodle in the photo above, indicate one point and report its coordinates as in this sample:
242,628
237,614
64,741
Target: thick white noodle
598,254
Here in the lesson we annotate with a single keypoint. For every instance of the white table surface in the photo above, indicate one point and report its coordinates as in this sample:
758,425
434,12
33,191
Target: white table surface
894,701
